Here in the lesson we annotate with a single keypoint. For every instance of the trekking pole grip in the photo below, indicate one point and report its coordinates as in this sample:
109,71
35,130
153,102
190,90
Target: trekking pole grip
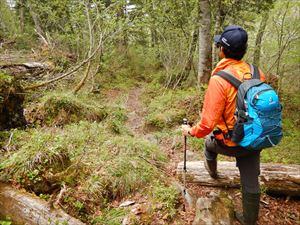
185,121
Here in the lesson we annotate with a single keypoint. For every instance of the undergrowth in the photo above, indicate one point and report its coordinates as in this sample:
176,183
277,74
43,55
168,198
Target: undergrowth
97,165
58,109
287,151
167,109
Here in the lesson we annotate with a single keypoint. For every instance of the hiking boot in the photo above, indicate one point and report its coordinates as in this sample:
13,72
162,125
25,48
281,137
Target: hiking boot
250,209
211,167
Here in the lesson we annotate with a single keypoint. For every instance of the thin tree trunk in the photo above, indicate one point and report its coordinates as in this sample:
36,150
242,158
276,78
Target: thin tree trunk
192,49
280,40
91,43
205,61
21,15
220,17
183,75
259,36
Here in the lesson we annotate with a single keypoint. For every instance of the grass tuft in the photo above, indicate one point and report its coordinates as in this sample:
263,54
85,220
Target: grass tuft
167,110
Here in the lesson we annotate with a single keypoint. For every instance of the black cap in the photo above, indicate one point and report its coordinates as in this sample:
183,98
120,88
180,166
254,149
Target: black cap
234,38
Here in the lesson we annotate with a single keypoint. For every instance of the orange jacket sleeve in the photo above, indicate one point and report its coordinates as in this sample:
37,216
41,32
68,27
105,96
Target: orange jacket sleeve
213,108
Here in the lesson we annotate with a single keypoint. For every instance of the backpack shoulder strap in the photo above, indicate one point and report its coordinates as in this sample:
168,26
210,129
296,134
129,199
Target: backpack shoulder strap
230,78
254,71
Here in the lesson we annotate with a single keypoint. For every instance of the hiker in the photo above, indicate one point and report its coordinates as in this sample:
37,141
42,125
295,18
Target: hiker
218,118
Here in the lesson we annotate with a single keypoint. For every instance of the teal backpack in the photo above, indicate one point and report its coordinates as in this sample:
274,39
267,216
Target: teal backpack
258,112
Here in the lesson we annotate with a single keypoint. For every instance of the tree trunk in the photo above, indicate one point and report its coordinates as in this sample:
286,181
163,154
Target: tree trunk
192,49
21,14
91,43
220,17
205,62
276,178
259,36
24,208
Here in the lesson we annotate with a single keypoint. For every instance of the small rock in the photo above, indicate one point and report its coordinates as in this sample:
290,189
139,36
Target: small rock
216,209
137,211
127,203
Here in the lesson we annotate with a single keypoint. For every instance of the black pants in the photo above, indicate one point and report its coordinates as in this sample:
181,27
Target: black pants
247,161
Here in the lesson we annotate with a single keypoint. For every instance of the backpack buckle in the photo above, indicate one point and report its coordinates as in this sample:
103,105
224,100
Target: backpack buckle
228,135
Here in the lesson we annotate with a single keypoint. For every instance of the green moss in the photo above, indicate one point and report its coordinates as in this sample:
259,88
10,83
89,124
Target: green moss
5,222
5,82
5,78
58,109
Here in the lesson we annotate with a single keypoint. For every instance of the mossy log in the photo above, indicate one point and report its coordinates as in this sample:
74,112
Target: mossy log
24,208
275,178
26,71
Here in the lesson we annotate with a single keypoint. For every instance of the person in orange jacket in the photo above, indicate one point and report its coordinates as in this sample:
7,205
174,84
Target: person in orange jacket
217,120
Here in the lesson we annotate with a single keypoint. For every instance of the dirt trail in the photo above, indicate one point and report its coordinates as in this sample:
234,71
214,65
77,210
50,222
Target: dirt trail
135,109
135,123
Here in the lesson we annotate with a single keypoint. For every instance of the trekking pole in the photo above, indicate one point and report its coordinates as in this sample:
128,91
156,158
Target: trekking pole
184,122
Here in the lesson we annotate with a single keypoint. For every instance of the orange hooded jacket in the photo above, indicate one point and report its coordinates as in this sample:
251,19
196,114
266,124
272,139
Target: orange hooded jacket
220,100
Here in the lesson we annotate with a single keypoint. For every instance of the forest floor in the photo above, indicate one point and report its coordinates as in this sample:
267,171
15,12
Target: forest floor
273,210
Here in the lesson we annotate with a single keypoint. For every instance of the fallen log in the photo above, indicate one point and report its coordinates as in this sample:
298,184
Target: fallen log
275,178
26,71
24,208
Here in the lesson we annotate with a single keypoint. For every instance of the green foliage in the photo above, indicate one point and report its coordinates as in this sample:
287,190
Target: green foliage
281,44
126,68
8,24
44,196
116,119
4,78
112,216
169,108
5,222
288,150
167,197
197,144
